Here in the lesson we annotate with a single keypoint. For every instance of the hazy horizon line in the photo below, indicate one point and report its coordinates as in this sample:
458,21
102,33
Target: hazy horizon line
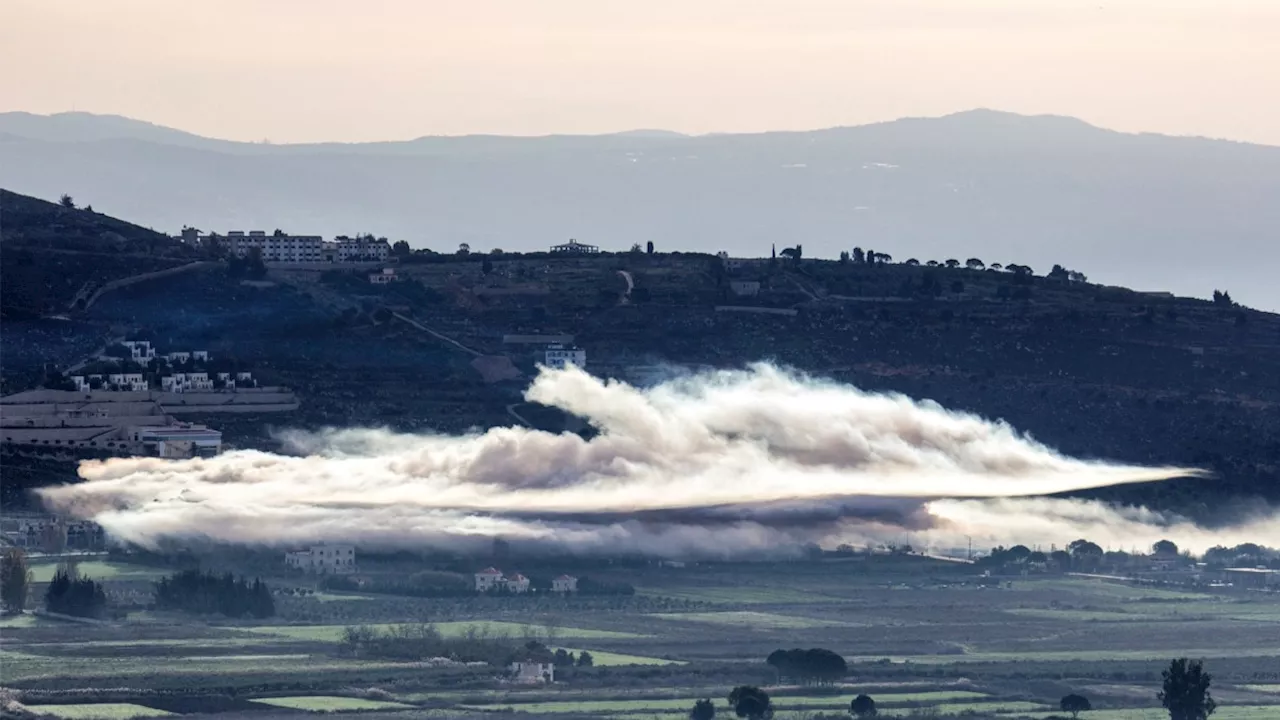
656,132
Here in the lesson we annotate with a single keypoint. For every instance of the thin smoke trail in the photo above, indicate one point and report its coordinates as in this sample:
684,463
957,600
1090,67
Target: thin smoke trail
718,463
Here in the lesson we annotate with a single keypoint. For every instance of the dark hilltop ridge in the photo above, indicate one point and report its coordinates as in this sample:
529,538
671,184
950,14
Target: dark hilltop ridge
1146,211
1093,370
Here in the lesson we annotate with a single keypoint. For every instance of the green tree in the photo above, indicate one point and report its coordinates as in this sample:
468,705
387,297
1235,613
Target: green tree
648,248
15,580
66,201
401,249
703,710
1186,691
585,659
1074,704
863,706
751,702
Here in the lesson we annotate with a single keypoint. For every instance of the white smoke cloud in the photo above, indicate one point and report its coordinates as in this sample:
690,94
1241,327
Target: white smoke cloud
711,464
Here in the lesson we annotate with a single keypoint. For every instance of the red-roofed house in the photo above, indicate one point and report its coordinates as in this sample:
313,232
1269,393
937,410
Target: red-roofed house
518,583
489,578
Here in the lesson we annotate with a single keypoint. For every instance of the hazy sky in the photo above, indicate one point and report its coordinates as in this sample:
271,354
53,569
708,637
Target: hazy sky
305,70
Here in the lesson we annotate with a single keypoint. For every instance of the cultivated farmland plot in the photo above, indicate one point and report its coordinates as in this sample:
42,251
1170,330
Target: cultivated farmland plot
919,636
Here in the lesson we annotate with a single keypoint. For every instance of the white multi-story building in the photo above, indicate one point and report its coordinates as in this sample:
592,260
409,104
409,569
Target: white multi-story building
323,559
178,357
277,247
182,440
559,356
364,248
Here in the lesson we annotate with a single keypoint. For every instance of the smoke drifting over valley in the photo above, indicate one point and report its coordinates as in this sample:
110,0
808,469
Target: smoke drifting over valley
747,462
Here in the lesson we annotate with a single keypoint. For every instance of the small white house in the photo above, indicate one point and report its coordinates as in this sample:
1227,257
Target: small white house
489,578
388,275
531,672
244,376
323,559
140,351
81,384
564,584
559,356
201,355
180,357
745,288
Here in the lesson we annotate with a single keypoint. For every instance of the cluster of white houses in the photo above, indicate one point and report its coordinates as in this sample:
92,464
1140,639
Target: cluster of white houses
280,247
143,353
491,578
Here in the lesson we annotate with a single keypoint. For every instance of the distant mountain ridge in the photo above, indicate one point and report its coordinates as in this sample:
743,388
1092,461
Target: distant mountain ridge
1141,210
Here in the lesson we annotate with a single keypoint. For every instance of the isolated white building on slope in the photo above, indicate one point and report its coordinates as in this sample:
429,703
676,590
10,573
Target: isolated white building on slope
323,559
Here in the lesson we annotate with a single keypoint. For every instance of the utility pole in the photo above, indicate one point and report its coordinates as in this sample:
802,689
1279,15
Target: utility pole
970,539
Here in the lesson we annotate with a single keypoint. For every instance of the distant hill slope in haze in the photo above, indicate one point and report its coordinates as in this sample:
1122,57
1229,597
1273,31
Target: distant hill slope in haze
51,255
1147,211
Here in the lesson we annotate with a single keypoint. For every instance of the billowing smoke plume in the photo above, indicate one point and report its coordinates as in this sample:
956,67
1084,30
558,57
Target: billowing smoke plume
712,464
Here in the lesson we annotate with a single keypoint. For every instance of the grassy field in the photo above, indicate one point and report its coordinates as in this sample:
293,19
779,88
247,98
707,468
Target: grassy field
100,711
747,618
1224,712
603,658
43,572
330,703
25,620
333,633
782,702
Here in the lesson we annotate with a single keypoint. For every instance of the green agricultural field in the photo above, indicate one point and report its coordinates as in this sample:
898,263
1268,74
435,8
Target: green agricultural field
98,570
25,667
737,595
338,597
1082,615
747,618
25,620
333,633
601,658
783,702
1224,712
1117,591
1262,688
99,711
330,703
1084,655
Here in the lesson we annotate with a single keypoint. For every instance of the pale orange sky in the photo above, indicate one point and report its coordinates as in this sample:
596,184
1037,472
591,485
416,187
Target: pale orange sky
310,70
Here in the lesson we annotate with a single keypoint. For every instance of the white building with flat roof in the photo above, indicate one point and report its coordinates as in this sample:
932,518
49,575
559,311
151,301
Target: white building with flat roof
560,356
182,440
278,246
323,559
533,672
363,249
